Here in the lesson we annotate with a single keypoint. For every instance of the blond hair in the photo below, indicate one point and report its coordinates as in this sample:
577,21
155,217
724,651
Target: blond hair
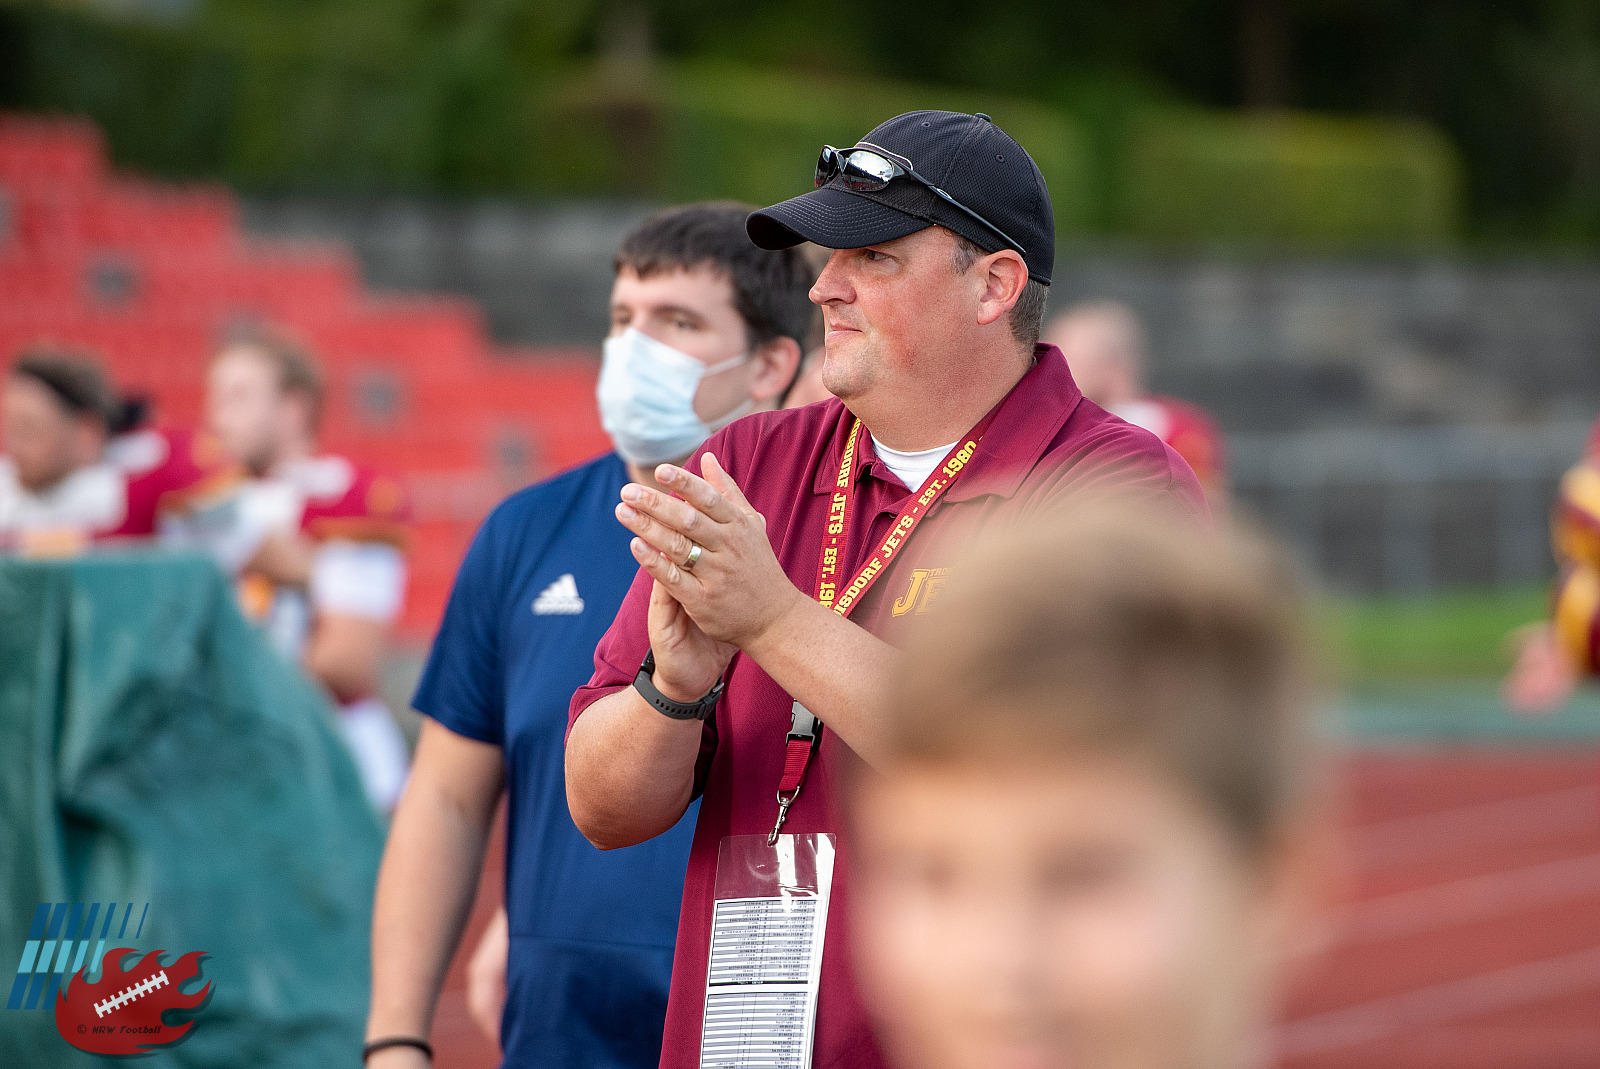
1122,629
292,364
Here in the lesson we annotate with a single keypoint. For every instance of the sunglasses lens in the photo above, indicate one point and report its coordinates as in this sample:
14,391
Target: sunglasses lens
827,166
867,171
859,169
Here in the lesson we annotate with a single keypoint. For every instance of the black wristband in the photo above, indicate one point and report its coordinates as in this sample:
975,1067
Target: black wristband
395,1041
645,684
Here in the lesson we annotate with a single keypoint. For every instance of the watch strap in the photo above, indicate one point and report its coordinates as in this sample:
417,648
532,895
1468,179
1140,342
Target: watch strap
645,684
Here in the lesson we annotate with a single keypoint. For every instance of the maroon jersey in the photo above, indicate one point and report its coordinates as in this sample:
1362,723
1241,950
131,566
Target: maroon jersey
164,470
1045,443
355,504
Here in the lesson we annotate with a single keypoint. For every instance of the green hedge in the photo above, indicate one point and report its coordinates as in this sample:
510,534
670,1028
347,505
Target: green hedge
166,104
1191,176
333,102
696,130
273,106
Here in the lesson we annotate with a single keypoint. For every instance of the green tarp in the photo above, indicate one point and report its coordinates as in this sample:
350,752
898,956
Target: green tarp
154,748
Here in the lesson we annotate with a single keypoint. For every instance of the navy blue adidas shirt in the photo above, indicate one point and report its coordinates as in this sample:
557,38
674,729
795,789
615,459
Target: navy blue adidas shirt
591,933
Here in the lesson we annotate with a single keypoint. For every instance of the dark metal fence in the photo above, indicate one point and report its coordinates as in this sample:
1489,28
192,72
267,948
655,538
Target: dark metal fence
1406,511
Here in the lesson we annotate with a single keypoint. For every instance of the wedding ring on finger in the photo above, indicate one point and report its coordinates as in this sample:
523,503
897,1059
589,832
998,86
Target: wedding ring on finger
693,558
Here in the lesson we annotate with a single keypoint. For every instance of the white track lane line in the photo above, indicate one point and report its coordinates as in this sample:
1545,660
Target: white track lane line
1447,905
1519,985
1409,839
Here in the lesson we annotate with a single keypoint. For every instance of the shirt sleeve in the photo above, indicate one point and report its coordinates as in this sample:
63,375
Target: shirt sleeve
371,508
366,579
621,649
462,684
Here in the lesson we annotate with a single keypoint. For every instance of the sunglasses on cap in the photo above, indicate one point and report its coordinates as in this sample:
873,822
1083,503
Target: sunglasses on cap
868,168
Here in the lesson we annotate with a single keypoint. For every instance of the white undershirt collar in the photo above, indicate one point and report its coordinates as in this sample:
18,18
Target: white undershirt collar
912,469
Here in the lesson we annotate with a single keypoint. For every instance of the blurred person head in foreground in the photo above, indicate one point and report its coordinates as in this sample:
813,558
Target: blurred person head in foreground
1090,846
1105,346
705,328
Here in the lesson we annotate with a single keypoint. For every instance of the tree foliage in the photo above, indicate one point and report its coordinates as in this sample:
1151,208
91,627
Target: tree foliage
626,97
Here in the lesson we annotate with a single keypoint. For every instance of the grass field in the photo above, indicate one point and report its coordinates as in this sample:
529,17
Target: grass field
1427,671
1455,635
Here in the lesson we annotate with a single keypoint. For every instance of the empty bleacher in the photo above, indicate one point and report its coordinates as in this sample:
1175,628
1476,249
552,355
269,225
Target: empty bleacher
150,276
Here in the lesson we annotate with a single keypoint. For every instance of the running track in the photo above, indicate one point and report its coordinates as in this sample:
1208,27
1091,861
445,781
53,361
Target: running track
1471,935
1467,935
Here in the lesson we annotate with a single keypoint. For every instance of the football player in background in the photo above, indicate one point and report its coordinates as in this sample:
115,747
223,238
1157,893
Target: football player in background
78,466
1555,655
315,539
1105,347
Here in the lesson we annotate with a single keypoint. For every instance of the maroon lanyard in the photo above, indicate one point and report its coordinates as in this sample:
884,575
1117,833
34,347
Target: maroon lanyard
805,730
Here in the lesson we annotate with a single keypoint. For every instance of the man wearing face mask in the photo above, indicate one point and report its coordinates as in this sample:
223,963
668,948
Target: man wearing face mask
705,327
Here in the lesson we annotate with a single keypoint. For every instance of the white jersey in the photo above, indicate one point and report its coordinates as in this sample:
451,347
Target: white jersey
354,572
91,501
350,575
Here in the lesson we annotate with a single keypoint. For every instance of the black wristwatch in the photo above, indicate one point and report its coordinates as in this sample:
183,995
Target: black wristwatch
645,684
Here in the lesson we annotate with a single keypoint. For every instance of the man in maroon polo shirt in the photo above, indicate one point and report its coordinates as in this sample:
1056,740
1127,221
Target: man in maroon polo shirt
757,605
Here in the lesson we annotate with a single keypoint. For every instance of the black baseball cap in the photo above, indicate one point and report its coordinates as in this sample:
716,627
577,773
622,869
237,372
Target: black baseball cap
968,156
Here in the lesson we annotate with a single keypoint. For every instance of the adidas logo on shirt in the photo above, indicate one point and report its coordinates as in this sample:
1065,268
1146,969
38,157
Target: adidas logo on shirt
559,598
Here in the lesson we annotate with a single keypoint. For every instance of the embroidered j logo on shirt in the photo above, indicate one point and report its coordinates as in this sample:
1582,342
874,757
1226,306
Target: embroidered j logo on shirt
925,584
559,598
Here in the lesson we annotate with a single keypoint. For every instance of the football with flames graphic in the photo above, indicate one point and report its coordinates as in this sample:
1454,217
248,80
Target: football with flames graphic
123,1012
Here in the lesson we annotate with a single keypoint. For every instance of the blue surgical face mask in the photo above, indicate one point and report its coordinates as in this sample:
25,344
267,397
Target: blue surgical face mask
646,395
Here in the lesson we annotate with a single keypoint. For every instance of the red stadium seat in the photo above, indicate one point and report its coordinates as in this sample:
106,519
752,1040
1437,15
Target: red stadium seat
151,276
